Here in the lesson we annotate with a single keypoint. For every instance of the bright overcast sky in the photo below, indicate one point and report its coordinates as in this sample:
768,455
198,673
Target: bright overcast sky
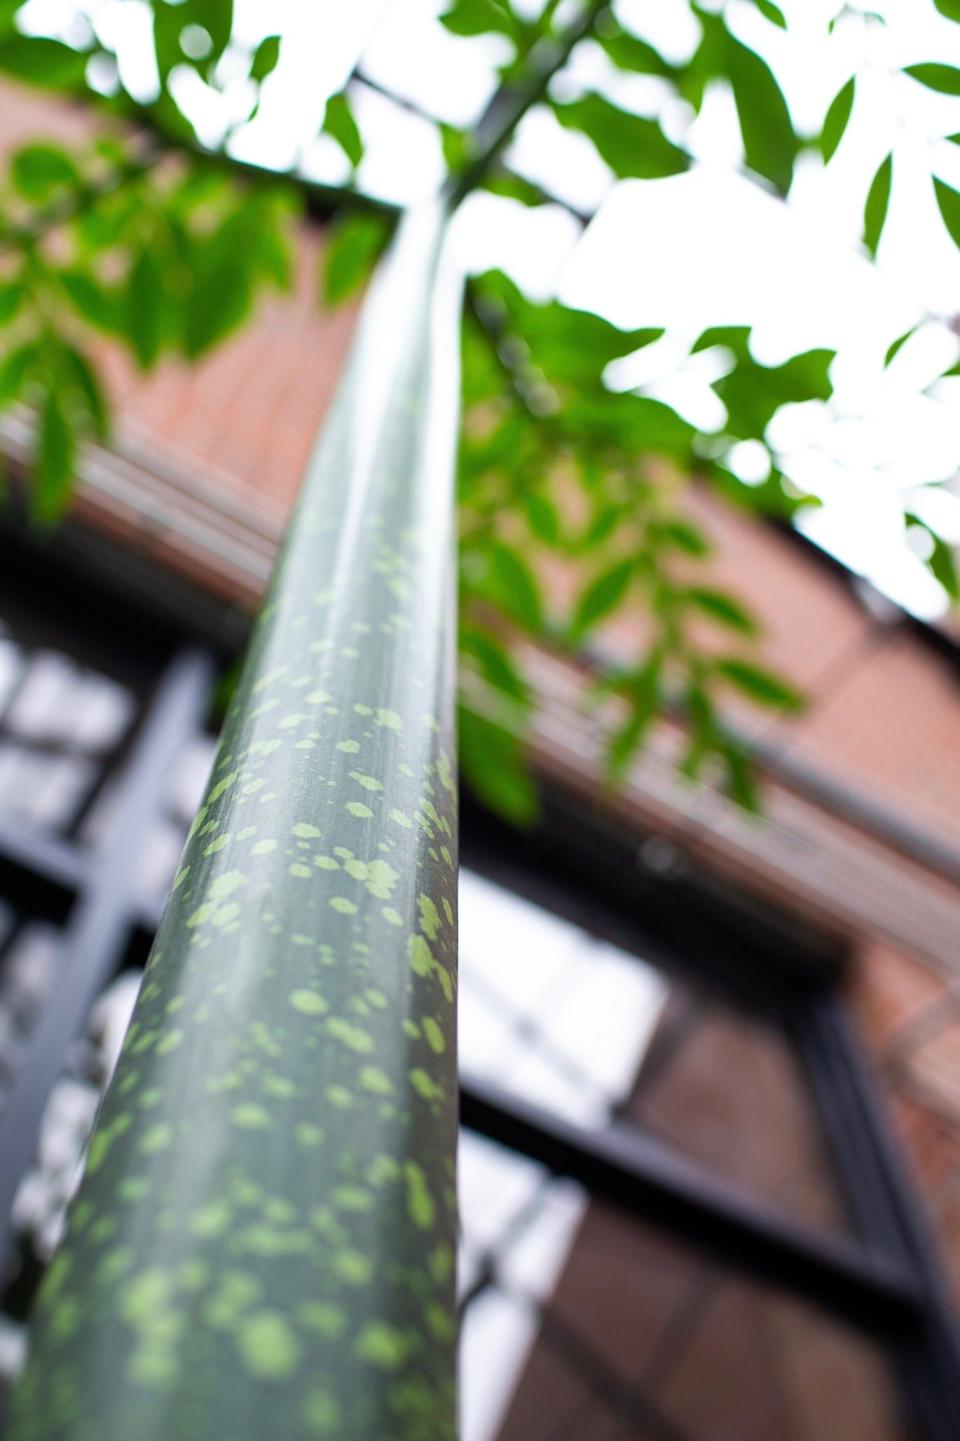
708,247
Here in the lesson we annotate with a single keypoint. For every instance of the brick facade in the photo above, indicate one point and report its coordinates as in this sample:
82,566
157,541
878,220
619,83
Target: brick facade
884,704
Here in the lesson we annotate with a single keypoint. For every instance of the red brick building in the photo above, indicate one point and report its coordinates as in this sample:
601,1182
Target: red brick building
857,855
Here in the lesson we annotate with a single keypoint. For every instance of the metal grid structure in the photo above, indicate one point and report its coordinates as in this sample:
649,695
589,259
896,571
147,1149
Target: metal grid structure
864,1268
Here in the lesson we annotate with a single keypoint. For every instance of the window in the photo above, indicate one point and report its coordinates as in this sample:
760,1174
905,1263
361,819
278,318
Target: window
683,1219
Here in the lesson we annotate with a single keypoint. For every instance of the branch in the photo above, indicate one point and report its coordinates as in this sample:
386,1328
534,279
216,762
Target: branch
511,103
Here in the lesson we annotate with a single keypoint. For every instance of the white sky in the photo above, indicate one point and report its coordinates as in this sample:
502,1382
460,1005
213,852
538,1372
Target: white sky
709,247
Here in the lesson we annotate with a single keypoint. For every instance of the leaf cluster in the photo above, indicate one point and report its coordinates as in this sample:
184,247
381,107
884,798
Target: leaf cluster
570,489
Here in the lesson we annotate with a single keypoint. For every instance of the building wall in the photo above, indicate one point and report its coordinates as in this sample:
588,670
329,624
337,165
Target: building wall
884,705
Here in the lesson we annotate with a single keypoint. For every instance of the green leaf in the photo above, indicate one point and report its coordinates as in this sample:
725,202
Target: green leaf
79,372
769,143
945,79
632,54
53,471
173,19
721,607
949,8
643,693
494,663
95,302
220,301
355,245
603,595
145,304
948,203
875,210
942,560
753,393
760,685
504,182
265,57
569,346
741,780
457,147
514,587
38,171
631,423
12,296
339,124
942,564
680,535
16,368
894,349
633,146
771,12
479,17
835,122
543,517
47,64
494,765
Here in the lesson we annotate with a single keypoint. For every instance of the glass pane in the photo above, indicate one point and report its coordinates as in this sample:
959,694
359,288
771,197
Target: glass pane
581,1325
62,725
593,1034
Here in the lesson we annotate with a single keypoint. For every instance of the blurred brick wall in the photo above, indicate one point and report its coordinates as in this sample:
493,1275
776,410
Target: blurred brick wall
884,711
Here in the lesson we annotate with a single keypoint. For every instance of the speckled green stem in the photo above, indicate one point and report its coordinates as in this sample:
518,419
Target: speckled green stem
263,1245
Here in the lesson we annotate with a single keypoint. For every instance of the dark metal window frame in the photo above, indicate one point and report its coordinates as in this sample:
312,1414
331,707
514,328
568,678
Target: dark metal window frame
637,893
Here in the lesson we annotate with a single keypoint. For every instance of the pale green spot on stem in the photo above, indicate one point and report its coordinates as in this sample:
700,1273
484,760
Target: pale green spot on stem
382,1345
429,917
434,1036
369,783
250,1117
268,1346
308,1003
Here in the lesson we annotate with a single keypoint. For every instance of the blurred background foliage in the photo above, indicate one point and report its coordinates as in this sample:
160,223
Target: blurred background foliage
164,246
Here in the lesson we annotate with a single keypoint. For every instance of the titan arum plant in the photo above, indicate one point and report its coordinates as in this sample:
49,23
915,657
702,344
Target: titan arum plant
263,1244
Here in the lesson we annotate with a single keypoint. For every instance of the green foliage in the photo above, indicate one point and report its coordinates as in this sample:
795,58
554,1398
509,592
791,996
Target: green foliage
943,78
167,254
48,64
357,240
753,393
948,203
540,415
479,17
39,172
835,121
99,242
265,58
893,350
339,124
875,210
759,685
602,595
633,147
771,12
